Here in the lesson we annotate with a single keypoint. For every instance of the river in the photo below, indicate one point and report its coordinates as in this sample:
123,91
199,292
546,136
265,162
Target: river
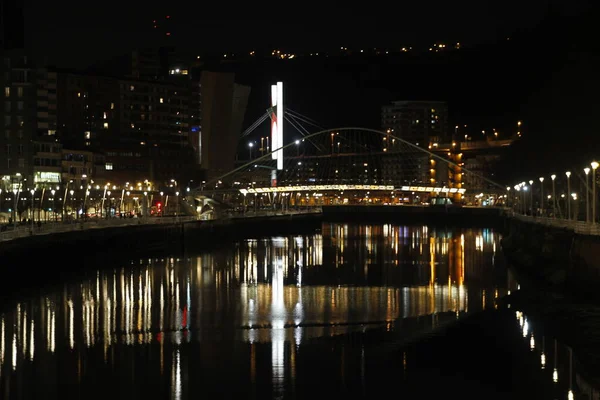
350,310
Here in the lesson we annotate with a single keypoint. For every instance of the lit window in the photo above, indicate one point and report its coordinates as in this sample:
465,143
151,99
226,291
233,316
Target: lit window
184,72
132,88
7,91
104,114
108,166
112,106
20,91
106,125
161,100
87,135
78,94
51,132
132,125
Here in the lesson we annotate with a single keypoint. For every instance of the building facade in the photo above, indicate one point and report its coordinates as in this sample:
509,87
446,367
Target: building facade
141,127
223,108
28,113
421,122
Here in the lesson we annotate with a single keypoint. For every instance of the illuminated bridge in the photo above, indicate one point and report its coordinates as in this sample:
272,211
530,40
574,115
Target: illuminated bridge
343,166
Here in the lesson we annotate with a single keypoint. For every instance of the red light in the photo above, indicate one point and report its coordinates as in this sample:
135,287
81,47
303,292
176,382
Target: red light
158,205
168,33
168,16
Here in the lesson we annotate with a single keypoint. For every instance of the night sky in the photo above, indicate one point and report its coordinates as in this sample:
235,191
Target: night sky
112,27
548,77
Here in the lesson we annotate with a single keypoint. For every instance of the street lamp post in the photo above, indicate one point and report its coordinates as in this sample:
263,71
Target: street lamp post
553,196
103,198
53,203
72,192
594,166
15,212
587,195
87,193
64,210
542,195
524,196
177,211
162,201
32,191
531,196
250,145
121,203
568,173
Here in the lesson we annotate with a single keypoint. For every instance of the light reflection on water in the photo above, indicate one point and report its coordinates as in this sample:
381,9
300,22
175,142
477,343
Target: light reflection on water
556,360
173,318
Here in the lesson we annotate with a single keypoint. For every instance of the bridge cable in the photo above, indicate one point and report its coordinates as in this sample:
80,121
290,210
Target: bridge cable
305,134
256,123
297,114
304,119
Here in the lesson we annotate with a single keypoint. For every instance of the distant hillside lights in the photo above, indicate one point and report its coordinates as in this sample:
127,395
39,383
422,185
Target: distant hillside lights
279,54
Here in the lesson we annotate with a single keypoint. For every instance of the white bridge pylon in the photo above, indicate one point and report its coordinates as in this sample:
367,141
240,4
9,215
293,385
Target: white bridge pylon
277,123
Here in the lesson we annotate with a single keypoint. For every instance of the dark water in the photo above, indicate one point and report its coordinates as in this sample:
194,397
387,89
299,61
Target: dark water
347,311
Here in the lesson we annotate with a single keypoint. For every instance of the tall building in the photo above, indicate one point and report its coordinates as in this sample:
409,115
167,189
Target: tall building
422,122
223,108
28,114
141,126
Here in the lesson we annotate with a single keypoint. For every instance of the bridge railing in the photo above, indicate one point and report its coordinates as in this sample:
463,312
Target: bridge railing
581,227
268,213
59,227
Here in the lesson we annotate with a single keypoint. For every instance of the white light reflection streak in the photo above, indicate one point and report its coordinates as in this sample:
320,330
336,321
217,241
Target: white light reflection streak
189,303
52,344
24,334
162,307
31,340
278,329
176,377
2,343
71,324
14,351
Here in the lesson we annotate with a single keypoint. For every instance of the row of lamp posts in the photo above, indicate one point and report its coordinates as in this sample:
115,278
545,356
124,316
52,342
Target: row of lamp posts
594,165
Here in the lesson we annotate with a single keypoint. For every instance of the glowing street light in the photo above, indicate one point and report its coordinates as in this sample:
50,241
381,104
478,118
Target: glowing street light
594,167
553,196
568,173
32,191
542,195
531,196
53,203
587,194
